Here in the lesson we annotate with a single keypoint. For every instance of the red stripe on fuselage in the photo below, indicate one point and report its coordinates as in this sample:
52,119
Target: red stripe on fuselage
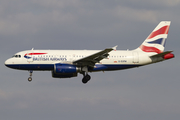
163,30
35,54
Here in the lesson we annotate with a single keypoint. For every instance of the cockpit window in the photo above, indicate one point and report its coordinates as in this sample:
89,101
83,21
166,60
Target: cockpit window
17,56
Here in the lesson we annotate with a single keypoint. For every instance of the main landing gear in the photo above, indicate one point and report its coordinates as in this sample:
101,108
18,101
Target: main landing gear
30,74
86,77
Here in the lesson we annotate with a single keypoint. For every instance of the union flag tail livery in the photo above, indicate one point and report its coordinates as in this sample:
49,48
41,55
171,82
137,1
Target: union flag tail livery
155,42
70,63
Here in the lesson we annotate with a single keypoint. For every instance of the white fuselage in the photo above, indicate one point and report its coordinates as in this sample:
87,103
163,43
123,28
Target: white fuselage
45,59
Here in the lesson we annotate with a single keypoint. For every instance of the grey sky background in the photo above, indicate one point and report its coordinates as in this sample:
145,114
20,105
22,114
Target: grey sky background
144,93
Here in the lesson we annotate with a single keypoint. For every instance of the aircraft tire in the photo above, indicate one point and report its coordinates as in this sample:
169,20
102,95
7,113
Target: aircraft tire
86,79
30,79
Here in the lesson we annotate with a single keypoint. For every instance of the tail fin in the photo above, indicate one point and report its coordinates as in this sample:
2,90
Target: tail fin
155,42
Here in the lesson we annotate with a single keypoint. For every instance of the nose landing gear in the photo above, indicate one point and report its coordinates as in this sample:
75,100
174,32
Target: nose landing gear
30,74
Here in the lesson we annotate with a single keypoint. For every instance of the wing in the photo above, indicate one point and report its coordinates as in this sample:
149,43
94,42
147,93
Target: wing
91,60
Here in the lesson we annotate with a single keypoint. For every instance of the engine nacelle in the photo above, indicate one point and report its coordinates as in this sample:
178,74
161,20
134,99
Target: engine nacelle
63,75
64,70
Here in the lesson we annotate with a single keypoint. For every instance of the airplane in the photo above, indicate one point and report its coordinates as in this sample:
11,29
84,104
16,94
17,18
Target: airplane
70,63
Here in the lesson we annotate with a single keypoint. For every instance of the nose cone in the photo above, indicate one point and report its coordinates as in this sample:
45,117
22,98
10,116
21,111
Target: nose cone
8,62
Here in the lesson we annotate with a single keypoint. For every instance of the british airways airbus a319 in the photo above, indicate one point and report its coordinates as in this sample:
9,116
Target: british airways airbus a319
68,63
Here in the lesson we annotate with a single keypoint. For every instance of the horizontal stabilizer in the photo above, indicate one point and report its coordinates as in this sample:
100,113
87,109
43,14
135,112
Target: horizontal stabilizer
161,54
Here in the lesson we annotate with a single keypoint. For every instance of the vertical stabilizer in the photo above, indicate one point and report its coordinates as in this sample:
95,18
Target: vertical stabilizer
155,42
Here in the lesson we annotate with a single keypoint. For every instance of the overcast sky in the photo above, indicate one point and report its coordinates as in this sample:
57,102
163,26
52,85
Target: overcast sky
150,92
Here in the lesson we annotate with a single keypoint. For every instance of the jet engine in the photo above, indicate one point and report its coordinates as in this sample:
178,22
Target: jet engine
64,71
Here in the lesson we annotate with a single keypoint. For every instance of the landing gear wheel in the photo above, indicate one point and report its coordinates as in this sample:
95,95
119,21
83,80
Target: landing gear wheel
30,79
86,79
30,74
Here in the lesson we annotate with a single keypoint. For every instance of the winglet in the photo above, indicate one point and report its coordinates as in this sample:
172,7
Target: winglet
114,48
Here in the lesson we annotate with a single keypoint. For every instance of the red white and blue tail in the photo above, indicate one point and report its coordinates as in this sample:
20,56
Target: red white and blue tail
155,42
